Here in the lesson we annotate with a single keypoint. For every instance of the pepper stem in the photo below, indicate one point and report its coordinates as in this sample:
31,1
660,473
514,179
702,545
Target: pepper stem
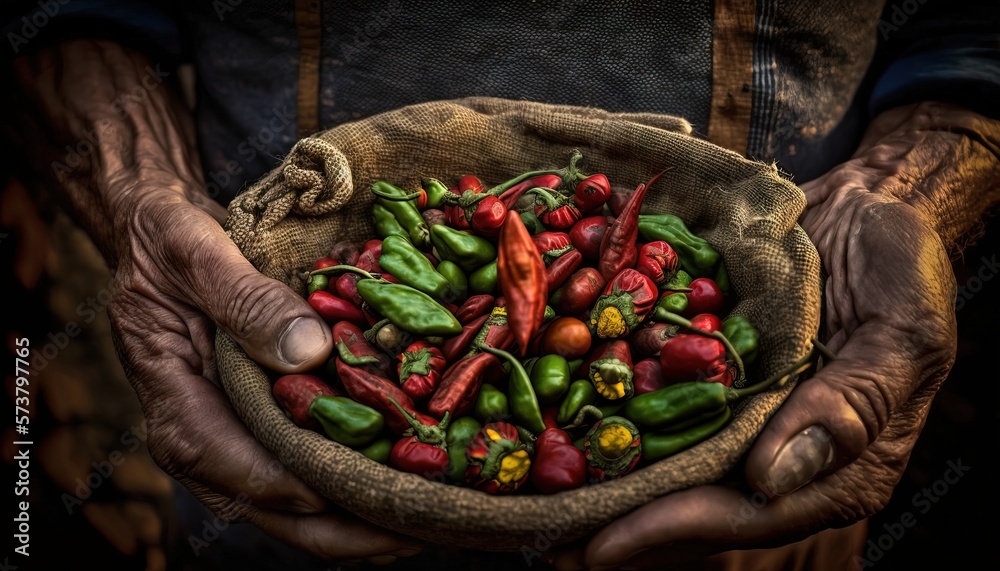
342,268
824,350
504,186
370,334
550,201
777,378
587,411
514,363
664,316
351,359
395,197
427,434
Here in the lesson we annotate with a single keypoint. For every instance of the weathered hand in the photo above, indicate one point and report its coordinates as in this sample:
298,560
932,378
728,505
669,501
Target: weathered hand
834,451
178,276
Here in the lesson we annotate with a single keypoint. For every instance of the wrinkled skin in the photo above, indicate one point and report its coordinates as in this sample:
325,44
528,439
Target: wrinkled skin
890,317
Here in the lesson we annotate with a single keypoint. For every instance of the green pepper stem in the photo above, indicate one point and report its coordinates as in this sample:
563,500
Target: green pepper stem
586,411
427,434
351,359
796,367
370,334
395,197
505,186
824,350
550,201
514,363
664,316
339,269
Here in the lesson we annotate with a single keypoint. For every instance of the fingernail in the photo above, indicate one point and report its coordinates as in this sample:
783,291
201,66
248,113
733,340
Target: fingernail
301,340
805,455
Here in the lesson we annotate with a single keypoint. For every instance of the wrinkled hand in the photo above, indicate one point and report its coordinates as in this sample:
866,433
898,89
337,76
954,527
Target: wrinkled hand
834,451
178,277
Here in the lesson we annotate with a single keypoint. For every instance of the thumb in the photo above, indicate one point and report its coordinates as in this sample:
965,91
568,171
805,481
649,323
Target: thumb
829,420
273,324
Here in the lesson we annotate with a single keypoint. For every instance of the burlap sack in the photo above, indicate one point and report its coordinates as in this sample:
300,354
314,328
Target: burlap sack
319,195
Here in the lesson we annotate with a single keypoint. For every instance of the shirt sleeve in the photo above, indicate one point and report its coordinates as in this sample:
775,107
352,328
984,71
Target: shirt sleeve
941,51
151,26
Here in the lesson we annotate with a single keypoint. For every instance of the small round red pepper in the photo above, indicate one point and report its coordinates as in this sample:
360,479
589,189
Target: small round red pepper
647,376
587,234
692,357
488,217
425,452
705,297
658,261
591,193
420,367
558,465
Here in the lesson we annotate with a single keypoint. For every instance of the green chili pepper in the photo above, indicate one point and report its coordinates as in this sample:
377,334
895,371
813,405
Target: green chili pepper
674,302
676,403
458,284
550,377
521,395
743,336
318,282
468,251
460,432
531,222
722,278
484,280
404,261
681,281
408,309
436,191
696,255
346,421
405,212
386,224
659,445
491,404
580,394
378,450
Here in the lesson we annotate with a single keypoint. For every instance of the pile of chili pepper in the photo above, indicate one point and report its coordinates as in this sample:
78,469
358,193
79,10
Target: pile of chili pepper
537,335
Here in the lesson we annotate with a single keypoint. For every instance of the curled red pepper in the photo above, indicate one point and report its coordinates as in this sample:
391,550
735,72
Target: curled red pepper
591,193
514,193
554,210
560,269
552,245
521,275
658,261
420,367
455,346
618,250
460,386
474,307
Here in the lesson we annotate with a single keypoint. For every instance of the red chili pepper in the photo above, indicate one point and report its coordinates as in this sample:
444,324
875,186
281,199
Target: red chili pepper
295,393
588,233
705,297
579,292
609,369
325,263
470,183
658,261
591,193
648,341
549,417
498,461
706,322
558,465
474,307
551,245
624,304
368,260
425,453
647,376
421,199
460,386
374,246
420,367
345,251
692,357
514,193
560,270
455,346
357,351
521,275
434,216
333,309
496,331
554,210
488,217
618,249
